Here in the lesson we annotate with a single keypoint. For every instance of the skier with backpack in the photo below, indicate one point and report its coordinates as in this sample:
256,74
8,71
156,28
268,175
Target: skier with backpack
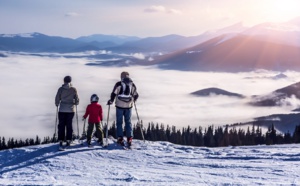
125,93
66,99
95,114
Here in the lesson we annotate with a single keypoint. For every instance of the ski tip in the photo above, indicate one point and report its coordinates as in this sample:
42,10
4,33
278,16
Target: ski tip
61,149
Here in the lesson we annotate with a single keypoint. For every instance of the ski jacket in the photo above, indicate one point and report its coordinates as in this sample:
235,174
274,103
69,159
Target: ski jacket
94,111
121,100
66,98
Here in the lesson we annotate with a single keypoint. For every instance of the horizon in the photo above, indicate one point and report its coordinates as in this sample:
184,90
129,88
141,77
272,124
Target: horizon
138,18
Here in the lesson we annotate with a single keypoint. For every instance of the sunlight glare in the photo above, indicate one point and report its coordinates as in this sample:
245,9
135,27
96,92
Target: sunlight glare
282,10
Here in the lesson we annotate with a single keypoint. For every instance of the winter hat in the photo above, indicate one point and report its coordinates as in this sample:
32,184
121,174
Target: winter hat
94,98
124,75
67,79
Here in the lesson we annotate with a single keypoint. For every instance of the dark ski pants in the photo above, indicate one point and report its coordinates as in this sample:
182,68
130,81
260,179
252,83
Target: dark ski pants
99,132
65,128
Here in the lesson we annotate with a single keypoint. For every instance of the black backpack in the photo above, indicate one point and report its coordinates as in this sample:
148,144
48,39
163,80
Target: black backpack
125,93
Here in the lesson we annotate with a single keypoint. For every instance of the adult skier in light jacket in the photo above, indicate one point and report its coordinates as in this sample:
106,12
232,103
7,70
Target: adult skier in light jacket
66,99
125,93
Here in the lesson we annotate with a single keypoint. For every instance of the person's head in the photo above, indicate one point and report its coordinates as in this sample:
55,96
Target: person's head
94,98
67,79
124,75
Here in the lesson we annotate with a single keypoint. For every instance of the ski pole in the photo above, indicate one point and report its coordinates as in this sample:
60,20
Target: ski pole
106,133
83,131
77,123
83,135
139,121
55,126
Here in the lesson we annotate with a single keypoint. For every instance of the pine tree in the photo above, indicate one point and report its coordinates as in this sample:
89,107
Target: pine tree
271,135
225,140
209,140
288,138
37,141
296,135
148,133
4,146
168,133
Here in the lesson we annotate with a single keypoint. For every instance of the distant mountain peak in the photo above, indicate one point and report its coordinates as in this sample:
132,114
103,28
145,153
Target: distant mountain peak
215,91
234,28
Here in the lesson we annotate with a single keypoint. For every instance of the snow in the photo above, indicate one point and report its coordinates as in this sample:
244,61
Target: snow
25,35
151,163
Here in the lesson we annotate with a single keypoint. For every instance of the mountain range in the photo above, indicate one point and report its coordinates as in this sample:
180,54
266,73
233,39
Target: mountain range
270,46
278,97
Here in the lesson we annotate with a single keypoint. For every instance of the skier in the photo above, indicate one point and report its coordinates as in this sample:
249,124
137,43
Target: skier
66,98
94,111
125,93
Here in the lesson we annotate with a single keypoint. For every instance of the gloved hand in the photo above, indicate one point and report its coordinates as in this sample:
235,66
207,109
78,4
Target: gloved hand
109,102
135,98
83,118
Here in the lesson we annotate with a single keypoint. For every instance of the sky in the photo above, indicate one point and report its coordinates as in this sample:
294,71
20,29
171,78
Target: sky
75,18
29,85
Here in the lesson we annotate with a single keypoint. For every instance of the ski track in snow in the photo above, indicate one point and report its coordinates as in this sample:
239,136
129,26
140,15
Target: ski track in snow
151,163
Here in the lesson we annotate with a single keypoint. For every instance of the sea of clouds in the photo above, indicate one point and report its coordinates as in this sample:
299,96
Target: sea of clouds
29,85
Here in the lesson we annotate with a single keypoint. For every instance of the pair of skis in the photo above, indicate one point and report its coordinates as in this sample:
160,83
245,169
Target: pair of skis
124,146
64,147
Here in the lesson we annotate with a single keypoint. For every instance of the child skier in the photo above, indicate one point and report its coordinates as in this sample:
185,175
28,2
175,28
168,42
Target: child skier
94,111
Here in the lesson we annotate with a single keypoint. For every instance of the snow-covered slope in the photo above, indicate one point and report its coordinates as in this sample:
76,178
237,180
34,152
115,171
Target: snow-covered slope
151,163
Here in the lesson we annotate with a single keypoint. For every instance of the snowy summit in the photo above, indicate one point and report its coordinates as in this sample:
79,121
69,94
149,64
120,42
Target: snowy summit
151,163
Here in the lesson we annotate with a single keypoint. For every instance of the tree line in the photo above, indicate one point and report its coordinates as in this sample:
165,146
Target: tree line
208,137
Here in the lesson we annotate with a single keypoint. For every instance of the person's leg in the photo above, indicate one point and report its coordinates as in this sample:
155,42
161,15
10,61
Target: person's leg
61,126
90,132
69,120
99,132
128,125
119,118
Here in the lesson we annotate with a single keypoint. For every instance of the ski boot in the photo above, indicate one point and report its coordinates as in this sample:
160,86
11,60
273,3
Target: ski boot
121,141
61,147
129,141
89,143
100,142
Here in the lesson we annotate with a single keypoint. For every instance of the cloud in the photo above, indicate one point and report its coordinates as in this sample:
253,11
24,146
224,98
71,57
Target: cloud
174,11
155,9
27,109
71,14
138,55
159,8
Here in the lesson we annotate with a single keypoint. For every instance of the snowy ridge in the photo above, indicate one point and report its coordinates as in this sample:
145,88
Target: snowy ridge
26,35
151,163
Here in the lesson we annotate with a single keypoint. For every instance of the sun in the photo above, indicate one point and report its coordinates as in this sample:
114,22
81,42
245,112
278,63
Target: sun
281,10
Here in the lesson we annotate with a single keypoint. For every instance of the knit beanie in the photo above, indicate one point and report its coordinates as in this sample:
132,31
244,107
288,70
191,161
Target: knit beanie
67,79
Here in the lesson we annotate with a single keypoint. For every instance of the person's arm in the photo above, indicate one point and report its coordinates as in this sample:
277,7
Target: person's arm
135,93
58,97
101,113
76,97
114,93
86,112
